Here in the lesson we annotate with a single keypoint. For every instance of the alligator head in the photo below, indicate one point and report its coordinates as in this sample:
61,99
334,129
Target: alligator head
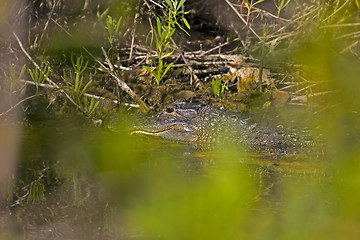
178,121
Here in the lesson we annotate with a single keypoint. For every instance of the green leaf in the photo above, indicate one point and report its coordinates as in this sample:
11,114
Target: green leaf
166,33
85,66
288,3
160,67
95,106
32,75
109,23
182,29
172,32
157,39
167,69
7,77
102,15
46,75
186,23
180,4
118,25
157,79
91,103
64,77
85,102
22,71
166,46
12,72
86,86
147,68
169,54
168,2
92,106
158,26
78,81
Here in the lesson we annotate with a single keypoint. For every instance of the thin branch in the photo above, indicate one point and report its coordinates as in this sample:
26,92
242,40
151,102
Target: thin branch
287,87
217,47
267,13
243,20
40,85
349,47
156,3
17,104
341,25
272,15
107,59
304,98
292,22
85,94
349,35
151,26
122,84
336,11
185,61
133,32
47,79
305,88
47,23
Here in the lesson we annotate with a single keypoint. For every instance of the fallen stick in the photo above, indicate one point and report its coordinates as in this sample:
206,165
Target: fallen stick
243,20
85,94
17,104
47,79
143,107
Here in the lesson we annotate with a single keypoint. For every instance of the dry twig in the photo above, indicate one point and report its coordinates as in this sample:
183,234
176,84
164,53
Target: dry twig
243,20
17,104
47,79
143,107
49,86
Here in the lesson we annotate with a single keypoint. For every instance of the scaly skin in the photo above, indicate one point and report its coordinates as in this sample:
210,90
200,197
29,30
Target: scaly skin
201,123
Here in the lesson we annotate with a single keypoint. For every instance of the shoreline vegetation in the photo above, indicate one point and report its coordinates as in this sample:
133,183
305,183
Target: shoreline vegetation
70,70
261,58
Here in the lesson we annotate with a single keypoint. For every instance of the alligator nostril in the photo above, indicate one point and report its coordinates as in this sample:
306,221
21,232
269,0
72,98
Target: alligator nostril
169,110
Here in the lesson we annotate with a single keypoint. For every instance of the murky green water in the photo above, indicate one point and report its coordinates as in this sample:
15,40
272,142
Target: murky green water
78,181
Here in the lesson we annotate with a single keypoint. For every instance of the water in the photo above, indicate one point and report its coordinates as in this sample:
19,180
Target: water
78,181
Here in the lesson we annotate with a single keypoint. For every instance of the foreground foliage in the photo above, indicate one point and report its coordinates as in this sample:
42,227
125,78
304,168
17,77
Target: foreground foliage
74,180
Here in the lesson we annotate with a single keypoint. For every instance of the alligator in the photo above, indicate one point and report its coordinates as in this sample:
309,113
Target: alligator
199,122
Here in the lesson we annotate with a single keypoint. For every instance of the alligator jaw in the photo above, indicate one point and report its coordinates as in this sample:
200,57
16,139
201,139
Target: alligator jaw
178,132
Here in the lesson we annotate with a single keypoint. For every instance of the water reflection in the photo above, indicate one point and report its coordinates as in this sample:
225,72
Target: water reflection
101,184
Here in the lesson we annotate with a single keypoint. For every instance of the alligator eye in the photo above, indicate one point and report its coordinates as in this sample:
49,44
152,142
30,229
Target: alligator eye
169,110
